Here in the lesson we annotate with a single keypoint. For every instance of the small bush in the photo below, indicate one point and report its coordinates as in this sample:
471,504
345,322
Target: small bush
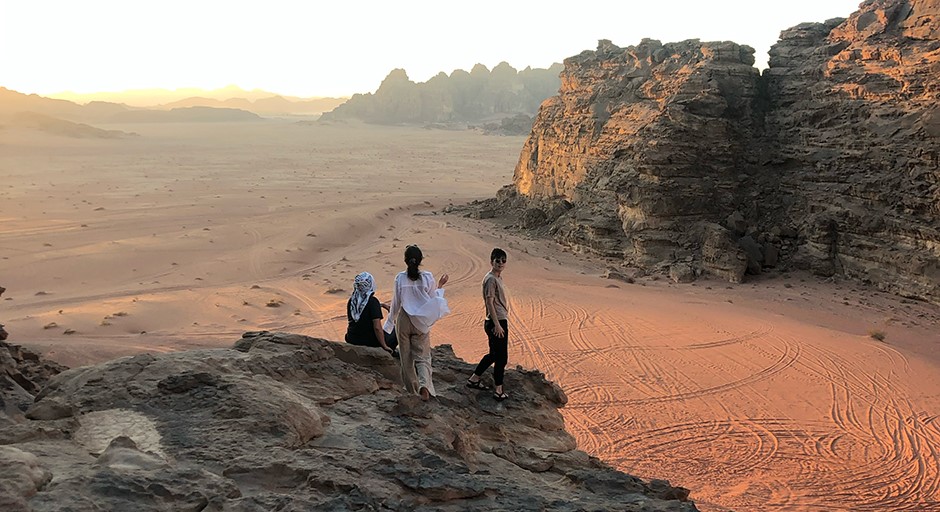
877,334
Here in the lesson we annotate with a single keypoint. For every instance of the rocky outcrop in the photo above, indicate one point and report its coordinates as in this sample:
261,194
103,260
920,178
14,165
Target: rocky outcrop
22,374
459,98
855,129
288,422
645,142
659,154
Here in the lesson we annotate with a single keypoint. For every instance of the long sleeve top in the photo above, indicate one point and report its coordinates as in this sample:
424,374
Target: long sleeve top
422,300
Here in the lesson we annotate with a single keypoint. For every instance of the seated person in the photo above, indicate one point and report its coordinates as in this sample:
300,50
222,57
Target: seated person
364,313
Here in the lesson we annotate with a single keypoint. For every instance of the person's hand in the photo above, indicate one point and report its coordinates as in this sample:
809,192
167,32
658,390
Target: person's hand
386,306
498,330
442,281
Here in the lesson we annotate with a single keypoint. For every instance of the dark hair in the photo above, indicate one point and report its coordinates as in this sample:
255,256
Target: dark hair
413,259
497,253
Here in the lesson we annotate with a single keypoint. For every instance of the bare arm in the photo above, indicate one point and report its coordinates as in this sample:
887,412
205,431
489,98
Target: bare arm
379,333
393,309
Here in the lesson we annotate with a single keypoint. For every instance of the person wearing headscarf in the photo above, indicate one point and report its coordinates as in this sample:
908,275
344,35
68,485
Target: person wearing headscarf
417,303
364,313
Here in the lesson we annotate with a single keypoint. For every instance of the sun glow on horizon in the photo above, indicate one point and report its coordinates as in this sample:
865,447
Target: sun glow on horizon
309,49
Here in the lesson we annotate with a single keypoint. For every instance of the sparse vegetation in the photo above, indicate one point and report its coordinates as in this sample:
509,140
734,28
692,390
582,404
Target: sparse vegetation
274,303
877,334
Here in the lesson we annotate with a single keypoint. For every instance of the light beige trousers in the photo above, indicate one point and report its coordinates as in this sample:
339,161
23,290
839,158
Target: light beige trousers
414,348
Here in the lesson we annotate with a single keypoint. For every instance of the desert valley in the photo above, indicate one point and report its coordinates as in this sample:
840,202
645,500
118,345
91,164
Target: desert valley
769,393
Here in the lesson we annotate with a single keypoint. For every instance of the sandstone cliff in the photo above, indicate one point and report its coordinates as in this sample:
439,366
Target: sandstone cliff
460,97
855,130
287,422
681,157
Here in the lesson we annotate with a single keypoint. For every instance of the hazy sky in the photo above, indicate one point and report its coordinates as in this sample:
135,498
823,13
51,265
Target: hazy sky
319,48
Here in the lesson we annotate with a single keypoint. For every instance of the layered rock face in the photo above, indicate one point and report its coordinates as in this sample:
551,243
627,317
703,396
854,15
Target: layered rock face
458,98
856,131
287,422
645,142
682,156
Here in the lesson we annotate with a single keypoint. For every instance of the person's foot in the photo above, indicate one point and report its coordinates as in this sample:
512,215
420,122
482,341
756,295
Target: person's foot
500,395
475,384
425,394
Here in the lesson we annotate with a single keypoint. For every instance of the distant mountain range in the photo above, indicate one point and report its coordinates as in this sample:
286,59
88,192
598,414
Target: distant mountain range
260,102
461,97
67,118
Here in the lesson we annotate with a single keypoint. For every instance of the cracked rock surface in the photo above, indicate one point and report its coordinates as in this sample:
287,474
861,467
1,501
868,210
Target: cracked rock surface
289,422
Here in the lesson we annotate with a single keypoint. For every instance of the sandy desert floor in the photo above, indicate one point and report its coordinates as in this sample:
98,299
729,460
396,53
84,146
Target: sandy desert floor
769,395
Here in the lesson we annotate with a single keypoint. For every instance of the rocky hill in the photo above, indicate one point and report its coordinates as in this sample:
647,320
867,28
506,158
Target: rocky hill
62,127
287,422
461,97
186,115
269,106
683,158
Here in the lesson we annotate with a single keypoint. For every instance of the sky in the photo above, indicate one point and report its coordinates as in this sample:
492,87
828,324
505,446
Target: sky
330,48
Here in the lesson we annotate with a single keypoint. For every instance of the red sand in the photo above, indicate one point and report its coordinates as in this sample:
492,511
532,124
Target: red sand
766,395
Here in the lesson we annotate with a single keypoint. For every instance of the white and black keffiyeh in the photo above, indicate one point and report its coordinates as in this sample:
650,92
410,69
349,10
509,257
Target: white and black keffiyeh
363,288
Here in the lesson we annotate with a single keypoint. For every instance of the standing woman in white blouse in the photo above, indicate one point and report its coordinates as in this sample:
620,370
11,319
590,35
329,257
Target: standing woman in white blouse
416,304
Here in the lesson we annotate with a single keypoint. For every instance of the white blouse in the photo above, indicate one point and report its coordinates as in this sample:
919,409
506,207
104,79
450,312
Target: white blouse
422,300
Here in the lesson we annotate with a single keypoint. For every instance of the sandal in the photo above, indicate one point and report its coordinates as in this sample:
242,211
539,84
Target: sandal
476,385
500,396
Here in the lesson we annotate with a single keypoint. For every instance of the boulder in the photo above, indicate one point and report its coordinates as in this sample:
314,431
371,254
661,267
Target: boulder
722,256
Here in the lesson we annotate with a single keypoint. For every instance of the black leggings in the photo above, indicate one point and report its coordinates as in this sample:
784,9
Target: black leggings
499,352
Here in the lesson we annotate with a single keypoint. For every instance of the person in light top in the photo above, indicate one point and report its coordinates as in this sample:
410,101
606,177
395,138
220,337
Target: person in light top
417,302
